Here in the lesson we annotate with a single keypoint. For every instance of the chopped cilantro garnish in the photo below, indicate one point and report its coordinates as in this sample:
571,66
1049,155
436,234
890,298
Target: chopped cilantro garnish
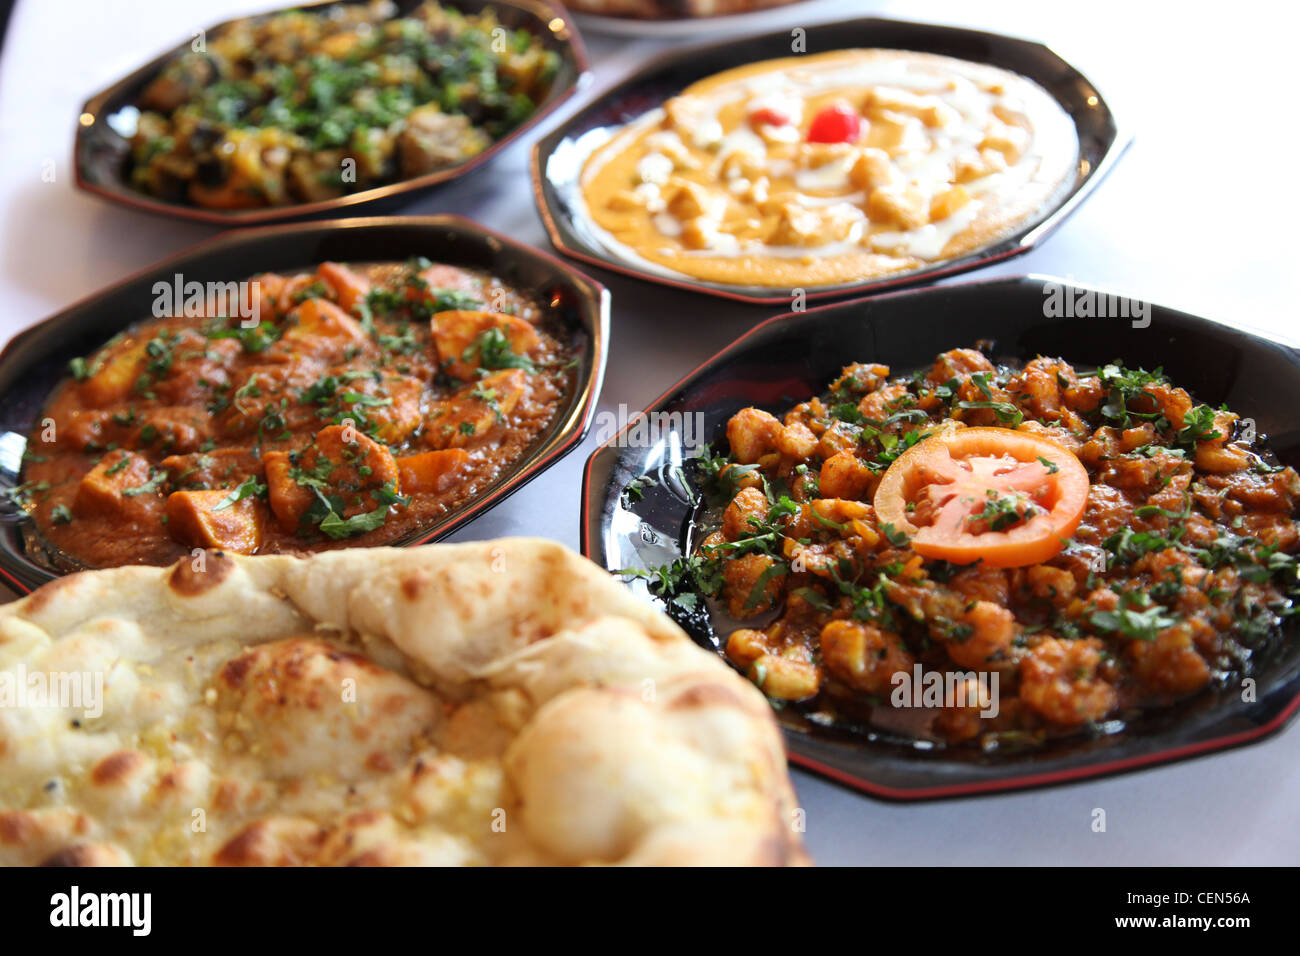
248,488
494,352
156,479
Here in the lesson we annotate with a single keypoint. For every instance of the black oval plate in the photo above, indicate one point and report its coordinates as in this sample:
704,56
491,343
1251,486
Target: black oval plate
37,358
790,358
101,153
558,157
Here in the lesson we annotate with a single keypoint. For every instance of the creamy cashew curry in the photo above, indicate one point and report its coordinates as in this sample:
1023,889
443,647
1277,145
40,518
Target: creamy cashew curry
306,106
1099,541
829,168
350,405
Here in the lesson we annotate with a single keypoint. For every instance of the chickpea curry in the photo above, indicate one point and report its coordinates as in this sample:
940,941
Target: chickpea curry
350,405
1099,541
306,106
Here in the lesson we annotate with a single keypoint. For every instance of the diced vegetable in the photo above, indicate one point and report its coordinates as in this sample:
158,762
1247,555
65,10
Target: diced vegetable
343,471
348,287
212,469
475,410
113,380
467,341
318,328
431,471
197,519
104,490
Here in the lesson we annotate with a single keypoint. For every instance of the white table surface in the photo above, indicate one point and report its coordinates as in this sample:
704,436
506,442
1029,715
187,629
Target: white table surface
1201,215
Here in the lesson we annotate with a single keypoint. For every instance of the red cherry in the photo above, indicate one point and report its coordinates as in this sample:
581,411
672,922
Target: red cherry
767,116
838,123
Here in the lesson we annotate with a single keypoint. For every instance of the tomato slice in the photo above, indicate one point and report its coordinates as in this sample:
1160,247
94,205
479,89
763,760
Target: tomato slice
837,123
984,494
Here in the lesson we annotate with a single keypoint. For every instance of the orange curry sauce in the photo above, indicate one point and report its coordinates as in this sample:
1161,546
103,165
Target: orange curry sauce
366,403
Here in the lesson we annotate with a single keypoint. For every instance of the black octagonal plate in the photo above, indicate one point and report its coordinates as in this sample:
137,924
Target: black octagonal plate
788,359
559,156
36,359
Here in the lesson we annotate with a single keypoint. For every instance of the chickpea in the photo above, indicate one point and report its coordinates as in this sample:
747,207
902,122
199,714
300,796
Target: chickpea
1220,456
746,645
1058,679
797,442
843,475
752,433
1051,584
1170,664
750,504
863,656
741,576
785,678
988,644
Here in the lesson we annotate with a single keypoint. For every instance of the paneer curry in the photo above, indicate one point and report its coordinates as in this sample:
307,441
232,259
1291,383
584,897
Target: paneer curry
355,404
305,106
829,168
1099,541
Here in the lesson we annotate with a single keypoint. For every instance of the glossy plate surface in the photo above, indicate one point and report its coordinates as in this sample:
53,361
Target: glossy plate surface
101,152
37,358
687,28
559,156
790,358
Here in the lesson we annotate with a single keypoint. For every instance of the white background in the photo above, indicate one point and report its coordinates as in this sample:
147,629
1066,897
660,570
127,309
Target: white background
1201,214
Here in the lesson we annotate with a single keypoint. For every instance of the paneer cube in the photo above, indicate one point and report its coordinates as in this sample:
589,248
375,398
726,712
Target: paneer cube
895,133
799,226
626,200
460,338
443,278
348,287
265,395
291,291
289,500
947,202
83,429
266,290
212,519
212,469
113,380
688,200
167,428
904,207
104,489
431,471
178,429
473,412
872,169
1010,141
926,107
344,464
389,407
318,329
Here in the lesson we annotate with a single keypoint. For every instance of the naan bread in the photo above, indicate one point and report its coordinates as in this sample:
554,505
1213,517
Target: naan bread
505,702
